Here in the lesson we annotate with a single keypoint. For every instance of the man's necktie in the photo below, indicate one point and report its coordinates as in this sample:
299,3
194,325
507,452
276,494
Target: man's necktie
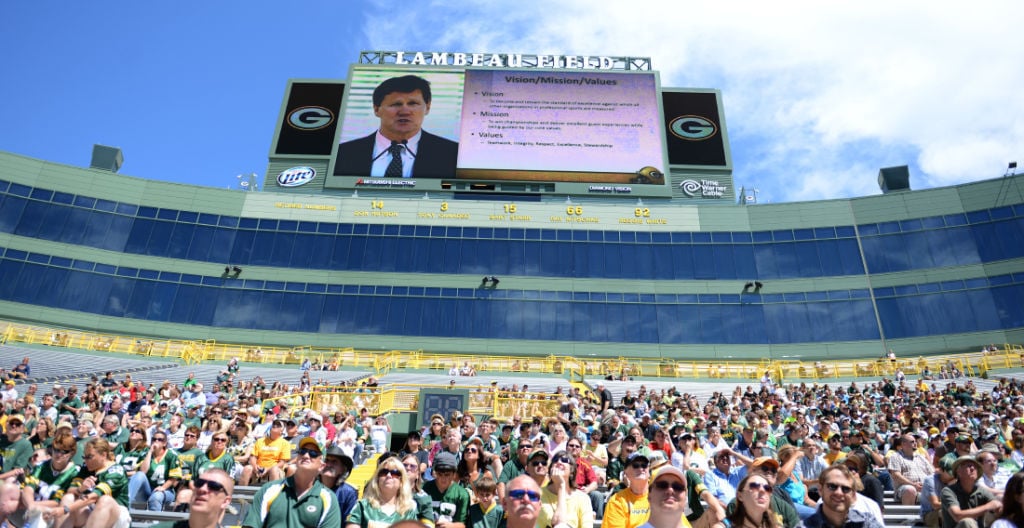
394,169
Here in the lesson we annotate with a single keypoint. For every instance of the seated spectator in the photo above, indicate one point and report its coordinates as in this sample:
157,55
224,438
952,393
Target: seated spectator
964,503
21,370
269,456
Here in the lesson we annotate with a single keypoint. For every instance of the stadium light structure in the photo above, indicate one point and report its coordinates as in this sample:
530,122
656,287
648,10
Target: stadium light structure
248,182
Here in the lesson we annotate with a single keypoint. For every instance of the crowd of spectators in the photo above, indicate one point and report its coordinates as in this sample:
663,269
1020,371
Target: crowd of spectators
769,454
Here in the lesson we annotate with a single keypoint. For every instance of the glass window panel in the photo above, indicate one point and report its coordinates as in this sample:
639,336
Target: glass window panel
138,237
27,282
956,219
262,248
786,260
199,247
167,214
642,259
141,299
913,224
977,217
725,266
682,262
662,260
551,261
764,257
849,253
10,213
51,286
435,256
703,262
63,198
32,217
282,253
597,260
986,315
807,259
159,237
828,255
181,237
225,244
84,202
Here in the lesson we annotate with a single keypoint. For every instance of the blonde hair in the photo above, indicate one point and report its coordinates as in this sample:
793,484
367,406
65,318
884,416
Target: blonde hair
404,501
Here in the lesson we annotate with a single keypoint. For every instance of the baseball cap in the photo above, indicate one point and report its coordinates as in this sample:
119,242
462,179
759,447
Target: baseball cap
310,443
16,418
667,470
765,462
536,452
637,456
444,460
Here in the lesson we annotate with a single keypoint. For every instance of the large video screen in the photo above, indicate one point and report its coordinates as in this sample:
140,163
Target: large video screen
501,125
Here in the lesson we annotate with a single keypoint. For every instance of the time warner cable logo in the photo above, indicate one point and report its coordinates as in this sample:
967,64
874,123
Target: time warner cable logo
296,176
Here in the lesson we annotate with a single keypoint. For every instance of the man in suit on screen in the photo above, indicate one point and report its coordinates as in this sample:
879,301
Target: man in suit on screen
400,148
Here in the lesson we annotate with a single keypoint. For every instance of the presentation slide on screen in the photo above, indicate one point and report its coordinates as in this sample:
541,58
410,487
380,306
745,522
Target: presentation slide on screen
560,126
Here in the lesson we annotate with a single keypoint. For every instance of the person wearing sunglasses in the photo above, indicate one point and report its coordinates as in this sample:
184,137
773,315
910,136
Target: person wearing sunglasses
299,500
516,465
560,503
215,457
476,464
837,496
753,505
629,507
668,499
46,484
207,505
158,473
98,494
387,499
521,503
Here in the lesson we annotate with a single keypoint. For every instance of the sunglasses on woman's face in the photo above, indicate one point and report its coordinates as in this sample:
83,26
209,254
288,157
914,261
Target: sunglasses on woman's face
389,472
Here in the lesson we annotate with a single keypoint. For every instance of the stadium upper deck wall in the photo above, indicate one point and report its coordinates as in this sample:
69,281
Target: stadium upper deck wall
922,271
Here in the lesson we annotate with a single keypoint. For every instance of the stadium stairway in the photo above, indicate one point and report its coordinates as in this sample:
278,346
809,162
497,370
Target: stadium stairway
362,473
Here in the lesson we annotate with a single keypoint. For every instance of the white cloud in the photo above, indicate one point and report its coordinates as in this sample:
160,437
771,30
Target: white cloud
818,95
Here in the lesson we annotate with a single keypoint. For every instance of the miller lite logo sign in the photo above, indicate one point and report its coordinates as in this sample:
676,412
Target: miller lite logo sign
296,176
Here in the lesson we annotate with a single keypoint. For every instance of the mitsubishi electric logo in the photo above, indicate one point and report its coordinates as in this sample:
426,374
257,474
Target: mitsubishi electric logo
386,183
692,128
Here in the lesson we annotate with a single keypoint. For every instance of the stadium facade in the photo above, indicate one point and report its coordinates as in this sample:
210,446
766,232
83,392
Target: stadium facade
601,267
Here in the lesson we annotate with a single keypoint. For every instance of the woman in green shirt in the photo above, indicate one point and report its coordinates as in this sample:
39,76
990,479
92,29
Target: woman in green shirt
386,500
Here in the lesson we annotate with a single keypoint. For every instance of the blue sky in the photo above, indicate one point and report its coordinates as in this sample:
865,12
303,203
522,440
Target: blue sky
817,96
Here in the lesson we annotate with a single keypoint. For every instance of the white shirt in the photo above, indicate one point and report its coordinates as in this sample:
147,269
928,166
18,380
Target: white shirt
381,157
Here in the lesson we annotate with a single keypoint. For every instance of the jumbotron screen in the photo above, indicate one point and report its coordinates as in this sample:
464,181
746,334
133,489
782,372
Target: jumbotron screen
501,129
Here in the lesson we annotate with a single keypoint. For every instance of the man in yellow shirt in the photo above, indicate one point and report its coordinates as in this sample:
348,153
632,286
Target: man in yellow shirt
629,508
269,457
